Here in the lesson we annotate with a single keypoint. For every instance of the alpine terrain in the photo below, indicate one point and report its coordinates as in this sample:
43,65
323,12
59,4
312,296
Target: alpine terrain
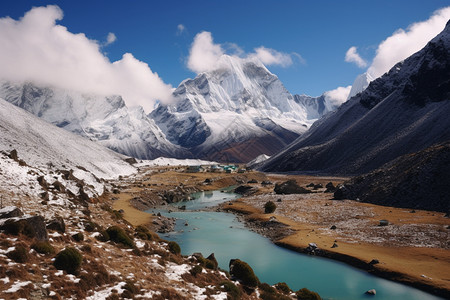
404,111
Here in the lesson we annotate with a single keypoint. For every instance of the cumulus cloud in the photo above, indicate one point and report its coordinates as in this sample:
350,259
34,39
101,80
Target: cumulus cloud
111,38
205,54
353,56
36,49
272,57
336,97
404,43
180,29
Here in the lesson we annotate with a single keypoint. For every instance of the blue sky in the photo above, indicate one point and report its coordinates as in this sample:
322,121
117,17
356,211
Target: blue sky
321,32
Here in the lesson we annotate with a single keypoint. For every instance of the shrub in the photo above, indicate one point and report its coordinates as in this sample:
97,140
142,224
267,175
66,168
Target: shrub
118,235
243,273
103,236
283,287
232,290
305,294
196,270
19,254
68,260
129,290
174,247
43,247
269,207
144,233
78,237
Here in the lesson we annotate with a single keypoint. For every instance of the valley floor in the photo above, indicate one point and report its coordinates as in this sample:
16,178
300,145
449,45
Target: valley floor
413,249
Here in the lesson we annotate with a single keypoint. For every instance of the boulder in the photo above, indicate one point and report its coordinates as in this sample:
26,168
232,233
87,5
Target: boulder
57,224
10,212
213,260
31,226
290,187
334,245
312,249
252,181
330,188
266,182
317,186
371,292
245,190
374,262
59,186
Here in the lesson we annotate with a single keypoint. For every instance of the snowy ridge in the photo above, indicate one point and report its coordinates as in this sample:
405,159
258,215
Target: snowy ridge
43,145
163,161
100,118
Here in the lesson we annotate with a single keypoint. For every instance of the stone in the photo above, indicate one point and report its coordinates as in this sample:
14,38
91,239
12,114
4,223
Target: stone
374,262
33,227
59,186
252,181
330,188
384,223
333,227
334,245
266,182
213,259
10,212
57,224
310,185
371,292
245,190
317,186
290,187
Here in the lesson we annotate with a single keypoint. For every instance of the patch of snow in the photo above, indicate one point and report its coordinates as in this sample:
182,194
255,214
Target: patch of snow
164,161
5,280
174,271
17,286
103,294
140,244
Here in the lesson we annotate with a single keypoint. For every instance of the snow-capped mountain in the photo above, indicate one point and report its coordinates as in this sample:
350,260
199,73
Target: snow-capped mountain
361,82
43,145
404,111
105,119
235,112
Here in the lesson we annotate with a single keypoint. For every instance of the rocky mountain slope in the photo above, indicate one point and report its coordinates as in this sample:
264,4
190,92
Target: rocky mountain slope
415,180
404,111
105,119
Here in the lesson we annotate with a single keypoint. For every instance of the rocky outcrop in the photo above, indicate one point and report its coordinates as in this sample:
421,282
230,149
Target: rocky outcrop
290,187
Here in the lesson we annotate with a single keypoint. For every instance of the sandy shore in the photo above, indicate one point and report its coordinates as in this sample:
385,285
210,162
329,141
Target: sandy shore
413,249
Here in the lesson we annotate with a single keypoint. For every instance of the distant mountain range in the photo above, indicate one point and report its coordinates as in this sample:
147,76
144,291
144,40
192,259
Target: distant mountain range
404,111
234,113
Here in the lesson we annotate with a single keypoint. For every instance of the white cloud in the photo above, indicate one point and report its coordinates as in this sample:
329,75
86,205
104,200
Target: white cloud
205,54
111,38
404,43
272,57
352,56
336,97
180,29
36,49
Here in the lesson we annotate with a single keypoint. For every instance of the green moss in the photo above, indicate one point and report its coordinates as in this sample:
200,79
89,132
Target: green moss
118,235
234,293
283,287
196,270
78,237
174,247
305,294
68,260
269,207
43,247
243,272
19,254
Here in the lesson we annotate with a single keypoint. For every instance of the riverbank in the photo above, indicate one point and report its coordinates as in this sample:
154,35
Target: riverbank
413,249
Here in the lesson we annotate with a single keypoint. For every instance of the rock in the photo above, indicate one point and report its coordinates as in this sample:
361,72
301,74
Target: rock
57,224
290,187
59,186
207,180
164,224
279,200
334,245
266,182
245,190
384,223
310,185
317,186
10,212
333,227
371,292
183,207
374,262
131,160
42,182
252,181
341,192
312,249
33,227
330,188
197,255
213,259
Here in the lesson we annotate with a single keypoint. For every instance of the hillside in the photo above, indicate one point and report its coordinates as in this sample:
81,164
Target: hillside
404,111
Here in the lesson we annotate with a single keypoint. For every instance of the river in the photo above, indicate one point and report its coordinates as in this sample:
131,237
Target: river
222,234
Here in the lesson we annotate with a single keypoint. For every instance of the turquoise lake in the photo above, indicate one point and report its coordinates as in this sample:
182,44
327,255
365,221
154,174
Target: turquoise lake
222,234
